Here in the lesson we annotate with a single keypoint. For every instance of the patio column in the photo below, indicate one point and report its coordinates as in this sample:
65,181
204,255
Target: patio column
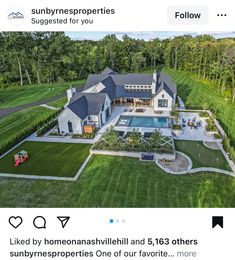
121,101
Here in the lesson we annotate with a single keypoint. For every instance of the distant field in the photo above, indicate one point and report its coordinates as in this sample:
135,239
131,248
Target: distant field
48,159
195,93
110,181
21,95
14,123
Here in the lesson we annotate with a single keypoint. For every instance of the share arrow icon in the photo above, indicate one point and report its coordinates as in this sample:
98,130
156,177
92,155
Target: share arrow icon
64,221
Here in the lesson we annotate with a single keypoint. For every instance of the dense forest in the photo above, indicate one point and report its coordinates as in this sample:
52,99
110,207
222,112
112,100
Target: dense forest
44,57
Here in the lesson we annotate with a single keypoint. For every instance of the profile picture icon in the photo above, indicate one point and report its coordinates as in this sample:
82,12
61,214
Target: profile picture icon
16,15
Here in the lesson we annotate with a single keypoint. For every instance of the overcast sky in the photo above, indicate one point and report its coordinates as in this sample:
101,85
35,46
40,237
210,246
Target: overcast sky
142,35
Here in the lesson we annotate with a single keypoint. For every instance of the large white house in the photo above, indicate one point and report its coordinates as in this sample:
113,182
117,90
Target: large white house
92,105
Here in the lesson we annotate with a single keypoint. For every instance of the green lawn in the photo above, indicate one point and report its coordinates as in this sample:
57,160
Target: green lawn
202,156
50,159
110,181
20,95
196,92
12,124
59,103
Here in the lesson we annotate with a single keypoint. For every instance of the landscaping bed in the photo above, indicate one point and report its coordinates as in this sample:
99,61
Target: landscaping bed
47,159
134,142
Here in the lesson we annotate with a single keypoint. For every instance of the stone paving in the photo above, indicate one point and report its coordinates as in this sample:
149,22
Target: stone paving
190,133
182,165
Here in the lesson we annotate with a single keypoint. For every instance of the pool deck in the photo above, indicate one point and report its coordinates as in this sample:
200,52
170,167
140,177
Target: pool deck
148,111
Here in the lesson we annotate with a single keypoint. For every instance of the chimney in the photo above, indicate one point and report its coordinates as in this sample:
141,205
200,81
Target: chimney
154,82
70,92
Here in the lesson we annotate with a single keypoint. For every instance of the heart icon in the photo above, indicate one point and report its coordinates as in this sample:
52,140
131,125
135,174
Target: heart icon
15,221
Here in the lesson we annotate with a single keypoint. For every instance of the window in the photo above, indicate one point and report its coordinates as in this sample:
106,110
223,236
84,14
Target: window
70,127
162,103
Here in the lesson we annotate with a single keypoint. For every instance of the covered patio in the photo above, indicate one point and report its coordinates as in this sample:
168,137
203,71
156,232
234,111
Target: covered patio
135,102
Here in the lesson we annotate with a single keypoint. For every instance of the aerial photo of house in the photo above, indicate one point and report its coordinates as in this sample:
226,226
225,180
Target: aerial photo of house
93,105
117,120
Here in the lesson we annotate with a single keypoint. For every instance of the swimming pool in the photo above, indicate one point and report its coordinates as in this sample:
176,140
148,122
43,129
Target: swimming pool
144,121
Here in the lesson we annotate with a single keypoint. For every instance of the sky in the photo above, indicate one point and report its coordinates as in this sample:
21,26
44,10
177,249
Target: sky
142,35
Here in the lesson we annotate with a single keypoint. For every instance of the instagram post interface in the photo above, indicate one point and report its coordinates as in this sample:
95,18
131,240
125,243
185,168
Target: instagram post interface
117,133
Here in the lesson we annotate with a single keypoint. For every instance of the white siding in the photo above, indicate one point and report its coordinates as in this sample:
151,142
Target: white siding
102,114
163,95
66,116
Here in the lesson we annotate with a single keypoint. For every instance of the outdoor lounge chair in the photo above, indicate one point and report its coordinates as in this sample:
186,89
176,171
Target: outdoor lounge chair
139,110
146,157
147,135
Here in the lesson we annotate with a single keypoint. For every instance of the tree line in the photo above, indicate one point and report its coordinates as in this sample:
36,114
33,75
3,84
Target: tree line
45,57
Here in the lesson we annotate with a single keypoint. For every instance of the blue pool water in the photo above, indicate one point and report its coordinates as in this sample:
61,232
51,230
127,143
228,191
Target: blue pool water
144,121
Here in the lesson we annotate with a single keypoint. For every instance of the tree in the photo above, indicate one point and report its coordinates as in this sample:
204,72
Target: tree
205,106
134,138
110,137
155,138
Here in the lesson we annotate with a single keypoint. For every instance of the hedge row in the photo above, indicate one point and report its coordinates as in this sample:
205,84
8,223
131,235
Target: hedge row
229,148
46,127
20,136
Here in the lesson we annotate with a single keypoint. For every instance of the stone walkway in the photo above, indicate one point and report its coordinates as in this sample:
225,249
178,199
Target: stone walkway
49,107
62,139
211,169
212,145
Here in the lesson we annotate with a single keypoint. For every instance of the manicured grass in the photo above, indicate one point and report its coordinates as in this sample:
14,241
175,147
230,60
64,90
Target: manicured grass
196,92
14,123
59,103
20,95
49,159
202,156
117,182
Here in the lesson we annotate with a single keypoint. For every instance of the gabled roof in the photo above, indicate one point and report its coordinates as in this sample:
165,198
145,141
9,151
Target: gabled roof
108,71
94,79
114,84
78,104
120,80
110,87
165,87
84,104
167,79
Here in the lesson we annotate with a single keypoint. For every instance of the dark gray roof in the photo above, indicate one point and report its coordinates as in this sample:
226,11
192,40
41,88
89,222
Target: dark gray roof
166,88
126,79
115,83
78,104
84,104
122,92
133,79
108,71
167,79
94,79
110,88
